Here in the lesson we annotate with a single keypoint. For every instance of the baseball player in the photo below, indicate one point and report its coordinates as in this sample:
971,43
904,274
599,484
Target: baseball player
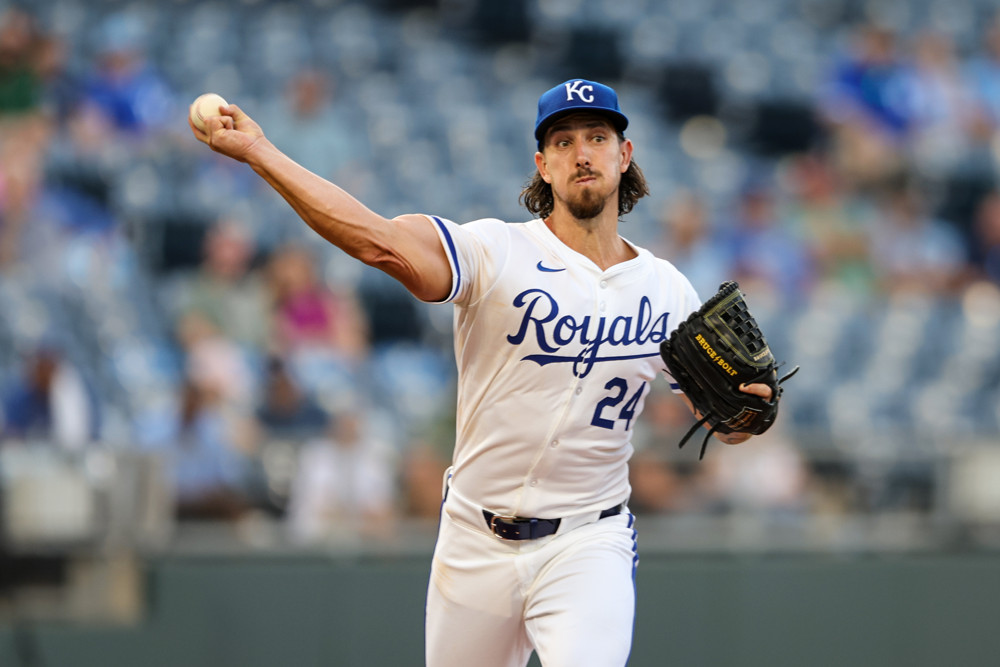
557,325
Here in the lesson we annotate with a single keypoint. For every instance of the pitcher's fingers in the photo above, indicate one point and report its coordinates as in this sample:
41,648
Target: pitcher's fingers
735,438
757,389
236,113
215,123
199,134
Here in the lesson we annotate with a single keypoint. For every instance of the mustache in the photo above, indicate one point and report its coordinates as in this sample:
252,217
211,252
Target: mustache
584,173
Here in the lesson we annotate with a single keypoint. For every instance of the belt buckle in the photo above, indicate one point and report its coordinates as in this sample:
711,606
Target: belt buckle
499,517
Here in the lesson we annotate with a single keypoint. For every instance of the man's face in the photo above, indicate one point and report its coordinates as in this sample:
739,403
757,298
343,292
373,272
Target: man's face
583,160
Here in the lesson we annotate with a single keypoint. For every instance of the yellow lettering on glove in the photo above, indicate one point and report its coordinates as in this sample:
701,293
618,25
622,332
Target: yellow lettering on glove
712,354
706,346
726,367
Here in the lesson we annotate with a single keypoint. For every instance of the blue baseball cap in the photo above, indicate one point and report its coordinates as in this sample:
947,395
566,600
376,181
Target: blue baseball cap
578,95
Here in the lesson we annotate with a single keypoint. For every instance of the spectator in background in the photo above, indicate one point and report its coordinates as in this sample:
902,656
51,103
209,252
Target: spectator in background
207,472
867,103
657,486
314,130
686,237
50,402
61,87
765,257
770,479
21,155
125,85
346,480
982,74
71,228
308,316
285,409
394,317
33,74
83,165
20,44
226,289
986,234
943,114
832,223
217,363
81,158
912,251
24,129
656,479
320,332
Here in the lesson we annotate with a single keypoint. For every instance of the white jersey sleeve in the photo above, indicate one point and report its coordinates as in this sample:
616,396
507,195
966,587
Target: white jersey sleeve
477,252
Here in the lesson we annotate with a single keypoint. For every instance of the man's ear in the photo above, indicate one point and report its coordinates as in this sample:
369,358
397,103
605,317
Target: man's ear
626,155
542,167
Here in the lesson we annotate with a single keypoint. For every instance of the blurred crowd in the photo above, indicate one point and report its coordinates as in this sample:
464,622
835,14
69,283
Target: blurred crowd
292,383
876,206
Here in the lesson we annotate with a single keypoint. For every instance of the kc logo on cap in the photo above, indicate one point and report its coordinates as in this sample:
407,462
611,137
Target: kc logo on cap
579,88
578,95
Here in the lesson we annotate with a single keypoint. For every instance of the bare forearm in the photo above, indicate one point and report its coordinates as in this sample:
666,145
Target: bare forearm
330,211
407,248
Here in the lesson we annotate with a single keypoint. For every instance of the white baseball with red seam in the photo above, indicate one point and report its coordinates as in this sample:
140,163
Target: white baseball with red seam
204,107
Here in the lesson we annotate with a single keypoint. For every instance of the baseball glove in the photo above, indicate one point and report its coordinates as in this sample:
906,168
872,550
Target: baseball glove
715,350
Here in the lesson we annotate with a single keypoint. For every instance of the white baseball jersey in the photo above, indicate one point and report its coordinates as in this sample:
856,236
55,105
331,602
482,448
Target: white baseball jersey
555,358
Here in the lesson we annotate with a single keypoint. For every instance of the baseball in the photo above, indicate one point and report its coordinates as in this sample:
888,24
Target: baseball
204,107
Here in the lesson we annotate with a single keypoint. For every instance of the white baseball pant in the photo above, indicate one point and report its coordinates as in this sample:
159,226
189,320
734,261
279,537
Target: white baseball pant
569,596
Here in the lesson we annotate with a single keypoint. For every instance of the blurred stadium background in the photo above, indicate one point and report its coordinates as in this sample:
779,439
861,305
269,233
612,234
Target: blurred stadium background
221,442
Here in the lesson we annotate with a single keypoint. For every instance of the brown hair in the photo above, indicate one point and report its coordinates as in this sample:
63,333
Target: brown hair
538,199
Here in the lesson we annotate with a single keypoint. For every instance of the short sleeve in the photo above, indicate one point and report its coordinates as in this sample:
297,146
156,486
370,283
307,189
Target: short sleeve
476,251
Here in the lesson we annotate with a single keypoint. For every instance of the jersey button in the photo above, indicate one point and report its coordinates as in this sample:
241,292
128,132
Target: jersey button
604,284
555,443
603,306
579,390
534,482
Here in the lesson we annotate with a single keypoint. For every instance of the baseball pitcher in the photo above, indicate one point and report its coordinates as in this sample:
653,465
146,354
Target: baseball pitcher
560,326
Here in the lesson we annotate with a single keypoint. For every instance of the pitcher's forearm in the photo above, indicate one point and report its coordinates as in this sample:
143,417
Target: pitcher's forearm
326,208
407,247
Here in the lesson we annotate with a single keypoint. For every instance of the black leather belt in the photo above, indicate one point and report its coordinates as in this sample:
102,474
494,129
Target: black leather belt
521,528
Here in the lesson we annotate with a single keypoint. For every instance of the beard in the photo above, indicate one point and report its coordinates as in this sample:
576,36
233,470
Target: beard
587,204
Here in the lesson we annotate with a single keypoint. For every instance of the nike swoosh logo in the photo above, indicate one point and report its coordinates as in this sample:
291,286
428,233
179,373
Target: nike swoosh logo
547,269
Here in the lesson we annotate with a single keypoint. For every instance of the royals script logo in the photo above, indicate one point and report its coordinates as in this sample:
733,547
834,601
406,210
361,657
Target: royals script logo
554,333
